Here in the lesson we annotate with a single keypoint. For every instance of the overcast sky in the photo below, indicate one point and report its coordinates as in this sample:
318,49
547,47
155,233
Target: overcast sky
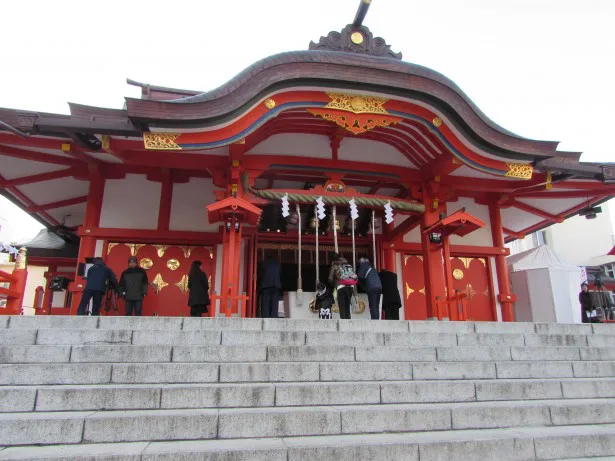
544,69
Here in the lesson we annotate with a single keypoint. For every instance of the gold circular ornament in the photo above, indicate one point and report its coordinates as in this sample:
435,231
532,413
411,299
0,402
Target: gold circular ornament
437,122
358,103
146,263
357,38
173,264
269,103
458,274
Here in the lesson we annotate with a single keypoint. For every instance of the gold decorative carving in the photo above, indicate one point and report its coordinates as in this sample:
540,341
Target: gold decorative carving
187,251
422,291
519,170
135,247
482,260
458,274
183,284
409,290
357,38
470,291
358,124
466,262
159,283
110,247
173,264
486,292
437,122
161,141
160,249
357,104
269,103
406,260
211,254
146,263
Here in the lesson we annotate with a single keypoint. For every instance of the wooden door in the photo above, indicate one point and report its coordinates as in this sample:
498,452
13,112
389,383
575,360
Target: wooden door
415,301
167,269
471,276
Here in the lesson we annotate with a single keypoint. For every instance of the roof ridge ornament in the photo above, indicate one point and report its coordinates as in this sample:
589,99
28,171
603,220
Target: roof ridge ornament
356,38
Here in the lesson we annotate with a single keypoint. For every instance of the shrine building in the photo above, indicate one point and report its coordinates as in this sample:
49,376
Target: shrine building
182,175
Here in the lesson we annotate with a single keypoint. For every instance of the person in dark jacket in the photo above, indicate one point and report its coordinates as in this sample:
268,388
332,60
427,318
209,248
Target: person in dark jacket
370,282
587,303
133,287
198,298
99,277
270,288
391,300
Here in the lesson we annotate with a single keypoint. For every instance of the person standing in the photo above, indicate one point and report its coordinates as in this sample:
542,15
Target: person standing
133,287
370,281
587,303
391,300
198,298
98,278
270,288
342,278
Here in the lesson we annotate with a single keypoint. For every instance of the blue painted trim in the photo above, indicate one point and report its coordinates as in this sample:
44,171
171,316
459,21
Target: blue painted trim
257,124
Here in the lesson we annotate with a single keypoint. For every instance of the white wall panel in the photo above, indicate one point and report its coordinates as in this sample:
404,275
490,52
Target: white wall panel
366,150
294,145
131,203
188,212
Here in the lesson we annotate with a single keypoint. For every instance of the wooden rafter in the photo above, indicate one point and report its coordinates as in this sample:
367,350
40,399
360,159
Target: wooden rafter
59,204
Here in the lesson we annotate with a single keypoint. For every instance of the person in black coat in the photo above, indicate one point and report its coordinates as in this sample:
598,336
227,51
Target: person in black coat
587,303
370,282
391,300
99,277
270,288
133,286
198,298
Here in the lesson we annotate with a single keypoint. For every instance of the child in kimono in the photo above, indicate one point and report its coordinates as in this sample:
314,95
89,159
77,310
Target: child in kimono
324,301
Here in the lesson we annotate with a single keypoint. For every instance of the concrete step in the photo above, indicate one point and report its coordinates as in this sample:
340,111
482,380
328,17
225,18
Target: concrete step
292,337
209,372
541,443
197,424
222,323
268,394
123,353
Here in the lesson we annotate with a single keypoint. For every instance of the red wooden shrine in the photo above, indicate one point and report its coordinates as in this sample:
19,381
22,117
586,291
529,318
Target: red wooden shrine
179,175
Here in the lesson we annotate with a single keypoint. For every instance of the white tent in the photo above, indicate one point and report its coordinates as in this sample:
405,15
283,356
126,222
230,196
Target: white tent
546,285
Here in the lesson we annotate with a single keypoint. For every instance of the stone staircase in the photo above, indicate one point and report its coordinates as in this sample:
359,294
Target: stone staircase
117,388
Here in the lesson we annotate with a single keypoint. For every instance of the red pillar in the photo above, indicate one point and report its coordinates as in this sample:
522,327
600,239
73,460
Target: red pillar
166,196
388,248
506,298
48,296
231,264
87,244
432,255
18,285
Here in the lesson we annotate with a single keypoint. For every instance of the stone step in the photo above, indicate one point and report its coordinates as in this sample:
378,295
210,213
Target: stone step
541,443
267,394
71,336
222,323
140,425
252,353
210,372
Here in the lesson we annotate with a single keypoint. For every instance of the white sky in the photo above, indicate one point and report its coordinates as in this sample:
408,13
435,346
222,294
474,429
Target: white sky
543,69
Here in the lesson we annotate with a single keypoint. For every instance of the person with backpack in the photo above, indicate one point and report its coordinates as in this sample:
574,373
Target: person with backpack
370,282
343,278
98,278
133,287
